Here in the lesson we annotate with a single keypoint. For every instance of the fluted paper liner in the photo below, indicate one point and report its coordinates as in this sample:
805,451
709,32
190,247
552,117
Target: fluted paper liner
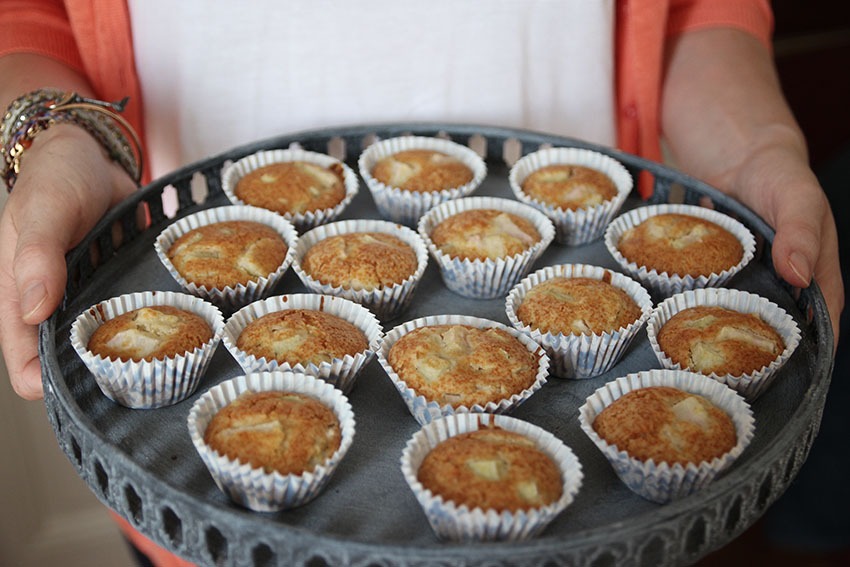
660,482
586,224
587,355
302,221
147,384
340,372
253,487
668,284
385,302
233,297
460,523
403,206
425,410
750,385
488,278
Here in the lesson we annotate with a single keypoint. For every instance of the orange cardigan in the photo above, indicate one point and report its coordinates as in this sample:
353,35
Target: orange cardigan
94,37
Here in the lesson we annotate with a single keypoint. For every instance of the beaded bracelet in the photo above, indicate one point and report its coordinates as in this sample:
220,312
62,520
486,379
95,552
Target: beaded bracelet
37,111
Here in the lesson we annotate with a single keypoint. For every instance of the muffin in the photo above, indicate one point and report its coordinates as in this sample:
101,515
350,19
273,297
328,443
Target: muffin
360,260
271,440
673,248
737,338
148,333
577,306
148,349
293,187
228,253
569,187
667,433
375,263
579,189
306,188
681,244
483,477
286,432
666,425
408,175
484,233
301,336
462,365
491,468
422,171
484,245
713,339
585,316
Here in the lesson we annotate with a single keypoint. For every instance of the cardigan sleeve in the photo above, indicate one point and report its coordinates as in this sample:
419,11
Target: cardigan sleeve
40,27
752,16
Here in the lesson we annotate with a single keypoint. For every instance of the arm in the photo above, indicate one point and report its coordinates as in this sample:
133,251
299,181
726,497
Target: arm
67,183
726,122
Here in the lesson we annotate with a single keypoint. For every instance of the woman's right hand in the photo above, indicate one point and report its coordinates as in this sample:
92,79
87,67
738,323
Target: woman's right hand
67,183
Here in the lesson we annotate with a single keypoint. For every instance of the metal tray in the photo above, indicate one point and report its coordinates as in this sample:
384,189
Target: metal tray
141,463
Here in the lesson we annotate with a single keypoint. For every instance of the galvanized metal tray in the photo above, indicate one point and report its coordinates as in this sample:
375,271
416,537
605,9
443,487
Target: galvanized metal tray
141,463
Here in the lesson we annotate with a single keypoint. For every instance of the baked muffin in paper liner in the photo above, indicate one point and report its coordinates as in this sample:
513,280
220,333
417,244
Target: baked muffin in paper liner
406,207
666,284
251,486
750,385
586,355
385,302
488,278
233,297
425,410
460,523
660,482
302,221
147,384
340,372
582,225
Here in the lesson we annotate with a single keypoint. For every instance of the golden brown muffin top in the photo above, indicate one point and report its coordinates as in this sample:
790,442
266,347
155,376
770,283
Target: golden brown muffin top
228,253
461,365
577,306
294,336
569,187
422,171
715,339
293,187
492,468
150,333
360,260
667,425
484,233
286,432
681,244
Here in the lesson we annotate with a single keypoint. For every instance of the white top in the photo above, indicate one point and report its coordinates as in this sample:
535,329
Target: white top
219,74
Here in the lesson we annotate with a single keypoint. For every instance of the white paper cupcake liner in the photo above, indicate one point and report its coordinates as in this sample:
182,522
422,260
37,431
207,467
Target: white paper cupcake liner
581,356
667,284
406,207
302,221
385,302
340,372
660,482
231,297
489,278
584,225
146,384
253,487
424,410
750,385
459,523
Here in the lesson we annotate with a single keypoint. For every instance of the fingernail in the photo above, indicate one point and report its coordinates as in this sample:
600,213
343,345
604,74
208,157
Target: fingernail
800,265
32,298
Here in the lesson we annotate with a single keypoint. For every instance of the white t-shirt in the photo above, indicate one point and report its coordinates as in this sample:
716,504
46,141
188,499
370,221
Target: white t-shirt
219,74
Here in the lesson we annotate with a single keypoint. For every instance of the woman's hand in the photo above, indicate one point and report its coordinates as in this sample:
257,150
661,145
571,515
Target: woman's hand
67,183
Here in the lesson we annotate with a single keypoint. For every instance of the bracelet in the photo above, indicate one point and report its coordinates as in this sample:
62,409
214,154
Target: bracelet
39,110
